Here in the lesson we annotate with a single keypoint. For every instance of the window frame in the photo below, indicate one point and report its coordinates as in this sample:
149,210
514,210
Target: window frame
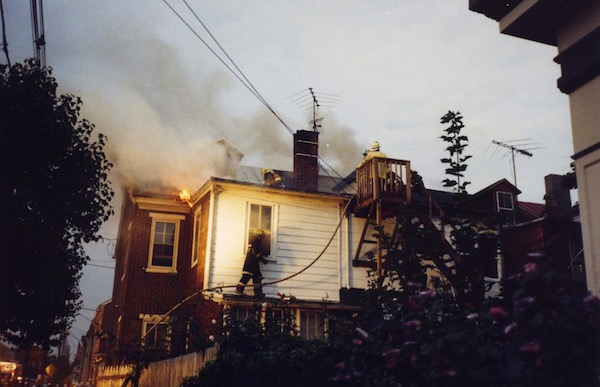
196,236
164,218
307,332
498,201
148,321
270,233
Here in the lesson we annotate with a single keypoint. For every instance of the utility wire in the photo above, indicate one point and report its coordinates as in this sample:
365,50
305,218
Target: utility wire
247,85
245,81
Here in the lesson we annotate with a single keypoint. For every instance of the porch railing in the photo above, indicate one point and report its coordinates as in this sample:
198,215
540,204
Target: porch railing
383,178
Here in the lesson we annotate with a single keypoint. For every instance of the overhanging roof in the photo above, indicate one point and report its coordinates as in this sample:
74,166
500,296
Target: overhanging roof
535,20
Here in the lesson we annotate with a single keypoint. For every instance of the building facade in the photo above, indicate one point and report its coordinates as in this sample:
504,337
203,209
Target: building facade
574,28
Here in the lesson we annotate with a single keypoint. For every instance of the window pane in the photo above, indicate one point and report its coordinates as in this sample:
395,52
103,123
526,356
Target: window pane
265,218
254,216
164,243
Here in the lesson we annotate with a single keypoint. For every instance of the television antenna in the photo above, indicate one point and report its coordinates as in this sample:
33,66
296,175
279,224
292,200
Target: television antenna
314,100
512,150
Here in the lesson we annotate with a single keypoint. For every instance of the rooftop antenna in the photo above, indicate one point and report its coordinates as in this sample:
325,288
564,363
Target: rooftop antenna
512,150
314,100
37,28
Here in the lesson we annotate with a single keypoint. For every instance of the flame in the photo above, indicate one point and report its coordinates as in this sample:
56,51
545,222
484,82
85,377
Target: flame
184,195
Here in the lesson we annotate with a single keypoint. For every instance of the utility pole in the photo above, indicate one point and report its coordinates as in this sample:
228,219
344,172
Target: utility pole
37,29
512,151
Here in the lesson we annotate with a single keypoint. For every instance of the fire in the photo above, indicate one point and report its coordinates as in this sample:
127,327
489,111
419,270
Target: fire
184,195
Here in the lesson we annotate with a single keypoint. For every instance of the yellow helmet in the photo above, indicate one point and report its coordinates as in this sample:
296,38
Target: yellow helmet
375,146
266,170
259,233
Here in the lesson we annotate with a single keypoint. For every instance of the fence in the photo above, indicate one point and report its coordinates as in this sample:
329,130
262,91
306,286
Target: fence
165,373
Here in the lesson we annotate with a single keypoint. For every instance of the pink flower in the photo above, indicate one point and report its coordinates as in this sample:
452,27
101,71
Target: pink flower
472,316
496,312
510,329
530,347
447,374
428,293
524,303
411,326
392,352
357,342
530,267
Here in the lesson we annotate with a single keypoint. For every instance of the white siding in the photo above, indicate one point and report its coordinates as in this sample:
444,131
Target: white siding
304,226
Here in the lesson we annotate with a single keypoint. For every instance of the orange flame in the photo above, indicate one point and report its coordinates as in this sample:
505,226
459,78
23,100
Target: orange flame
184,195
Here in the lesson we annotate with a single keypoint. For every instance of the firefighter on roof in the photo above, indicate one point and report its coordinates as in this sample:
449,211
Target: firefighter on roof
251,269
270,178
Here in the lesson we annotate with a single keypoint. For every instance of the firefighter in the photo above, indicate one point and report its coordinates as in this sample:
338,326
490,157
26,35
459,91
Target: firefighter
375,152
251,269
270,178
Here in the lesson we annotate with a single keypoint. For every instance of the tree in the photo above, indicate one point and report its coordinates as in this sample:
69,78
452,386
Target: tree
54,197
457,144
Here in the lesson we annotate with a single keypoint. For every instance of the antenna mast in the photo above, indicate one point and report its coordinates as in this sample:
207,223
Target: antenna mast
302,99
512,150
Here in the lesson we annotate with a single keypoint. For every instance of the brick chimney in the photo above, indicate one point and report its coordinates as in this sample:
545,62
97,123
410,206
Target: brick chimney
559,194
306,153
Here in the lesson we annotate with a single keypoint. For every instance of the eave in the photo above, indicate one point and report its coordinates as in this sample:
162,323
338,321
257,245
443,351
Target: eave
536,20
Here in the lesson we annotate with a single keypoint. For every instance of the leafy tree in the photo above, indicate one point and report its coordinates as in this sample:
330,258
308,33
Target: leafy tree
544,331
54,197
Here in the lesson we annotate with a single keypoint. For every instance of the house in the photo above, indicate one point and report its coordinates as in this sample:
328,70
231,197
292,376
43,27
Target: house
179,256
574,28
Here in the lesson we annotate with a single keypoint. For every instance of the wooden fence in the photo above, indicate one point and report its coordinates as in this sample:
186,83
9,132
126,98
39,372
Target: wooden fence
164,373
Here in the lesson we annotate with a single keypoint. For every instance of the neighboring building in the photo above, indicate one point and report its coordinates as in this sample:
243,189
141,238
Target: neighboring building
574,28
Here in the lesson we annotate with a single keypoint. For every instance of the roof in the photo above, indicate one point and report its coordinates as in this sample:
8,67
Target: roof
536,20
532,210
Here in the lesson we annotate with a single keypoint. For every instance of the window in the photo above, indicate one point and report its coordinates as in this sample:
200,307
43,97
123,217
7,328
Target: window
164,242
155,332
505,201
261,217
311,325
196,247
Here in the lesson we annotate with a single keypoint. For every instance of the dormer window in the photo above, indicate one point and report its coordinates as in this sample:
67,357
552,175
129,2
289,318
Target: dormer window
505,201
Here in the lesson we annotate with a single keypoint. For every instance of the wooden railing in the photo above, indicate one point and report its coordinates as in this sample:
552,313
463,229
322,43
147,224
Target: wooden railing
386,179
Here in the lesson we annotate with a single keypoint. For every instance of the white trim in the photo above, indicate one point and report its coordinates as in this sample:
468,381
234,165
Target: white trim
196,226
166,218
512,201
272,231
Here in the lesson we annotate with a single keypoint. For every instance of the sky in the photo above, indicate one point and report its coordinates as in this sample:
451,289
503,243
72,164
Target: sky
381,70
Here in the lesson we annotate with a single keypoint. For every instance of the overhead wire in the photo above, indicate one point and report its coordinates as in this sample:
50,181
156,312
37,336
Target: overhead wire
240,74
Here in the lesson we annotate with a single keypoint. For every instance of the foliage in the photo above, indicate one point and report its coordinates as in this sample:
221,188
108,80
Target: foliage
570,178
268,353
54,197
543,332
457,144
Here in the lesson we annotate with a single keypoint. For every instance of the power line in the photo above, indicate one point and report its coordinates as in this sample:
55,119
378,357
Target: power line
330,98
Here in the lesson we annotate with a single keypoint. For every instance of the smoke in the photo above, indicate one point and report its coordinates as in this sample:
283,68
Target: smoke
173,124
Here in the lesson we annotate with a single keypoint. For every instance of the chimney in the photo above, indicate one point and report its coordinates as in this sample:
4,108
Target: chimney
559,194
306,153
